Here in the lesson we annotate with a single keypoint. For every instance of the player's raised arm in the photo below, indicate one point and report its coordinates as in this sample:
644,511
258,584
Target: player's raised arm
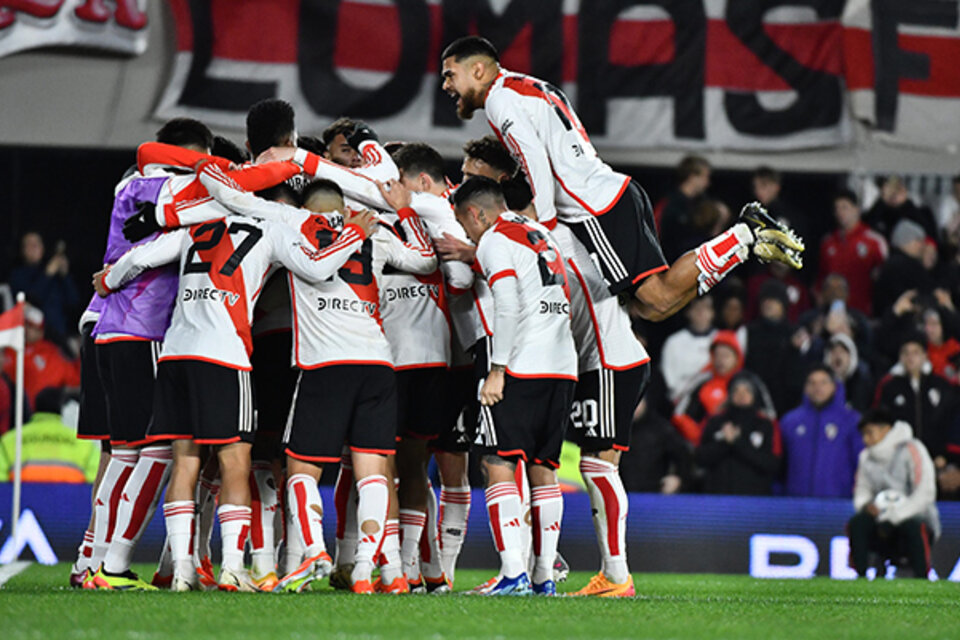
163,250
231,195
316,265
355,184
516,131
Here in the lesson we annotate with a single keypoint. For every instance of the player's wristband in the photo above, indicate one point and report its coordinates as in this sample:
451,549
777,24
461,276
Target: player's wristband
307,161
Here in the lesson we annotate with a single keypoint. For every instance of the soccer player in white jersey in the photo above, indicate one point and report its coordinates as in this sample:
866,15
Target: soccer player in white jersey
532,371
606,222
347,386
203,384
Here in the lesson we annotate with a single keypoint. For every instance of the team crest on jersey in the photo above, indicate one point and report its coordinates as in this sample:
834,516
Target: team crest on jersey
756,439
832,430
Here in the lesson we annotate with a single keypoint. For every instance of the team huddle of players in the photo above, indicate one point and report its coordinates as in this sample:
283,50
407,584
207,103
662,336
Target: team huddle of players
337,302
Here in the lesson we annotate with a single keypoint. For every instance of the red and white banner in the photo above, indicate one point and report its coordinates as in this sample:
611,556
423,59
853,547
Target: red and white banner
11,327
119,25
736,74
902,62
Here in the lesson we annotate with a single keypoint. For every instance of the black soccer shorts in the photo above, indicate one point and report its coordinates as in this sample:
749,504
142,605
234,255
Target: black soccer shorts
206,402
354,404
458,407
624,240
603,404
92,423
128,373
421,399
274,379
529,422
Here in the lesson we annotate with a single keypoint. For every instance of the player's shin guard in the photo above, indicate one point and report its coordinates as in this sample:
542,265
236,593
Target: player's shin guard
263,505
306,513
107,500
452,524
372,502
234,529
179,518
547,510
206,502
412,524
503,507
608,500
345,502
718,256
526,530
137,505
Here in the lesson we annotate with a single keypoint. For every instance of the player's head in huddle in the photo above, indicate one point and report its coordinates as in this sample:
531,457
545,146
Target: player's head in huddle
270,123
487,157
321,196
337,147
226,148
421,167
478,203
469,66
187,133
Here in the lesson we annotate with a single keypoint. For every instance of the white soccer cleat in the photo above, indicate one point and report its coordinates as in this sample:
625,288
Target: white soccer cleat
180,585
236,581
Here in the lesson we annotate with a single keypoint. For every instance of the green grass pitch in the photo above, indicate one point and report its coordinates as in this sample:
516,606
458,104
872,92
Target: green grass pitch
36,604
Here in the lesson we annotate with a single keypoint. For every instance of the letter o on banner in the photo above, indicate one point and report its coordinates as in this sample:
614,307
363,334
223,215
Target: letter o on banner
762,546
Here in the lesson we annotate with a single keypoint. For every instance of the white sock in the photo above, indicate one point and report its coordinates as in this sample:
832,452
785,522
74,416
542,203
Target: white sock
412,524
178,517
345,502
107,501
608,500
306,513
526,529
207,492
84,553
372,502
141,493
263,505
165,563
234,529
547,503
391,567
452,524
293,550
431,562
503,507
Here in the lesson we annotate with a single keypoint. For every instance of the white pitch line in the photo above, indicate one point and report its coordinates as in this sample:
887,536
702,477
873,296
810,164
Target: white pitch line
8,571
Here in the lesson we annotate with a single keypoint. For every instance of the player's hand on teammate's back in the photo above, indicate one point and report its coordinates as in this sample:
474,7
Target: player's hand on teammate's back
142,223
451,248
492,390
365,219
276,154
395,193
98,285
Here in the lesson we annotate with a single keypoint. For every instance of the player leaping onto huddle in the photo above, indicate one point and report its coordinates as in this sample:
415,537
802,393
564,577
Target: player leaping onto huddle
608,236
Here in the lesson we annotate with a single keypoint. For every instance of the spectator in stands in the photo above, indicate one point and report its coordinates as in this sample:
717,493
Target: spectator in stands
854,251
51,451
842,358
730,303
43,364
943,350
709,389
740,448
948,211
919,397
798,299
686,353
894,497
676,211
49,287
771,354
659,459
820,440
831,316
895,206
905,268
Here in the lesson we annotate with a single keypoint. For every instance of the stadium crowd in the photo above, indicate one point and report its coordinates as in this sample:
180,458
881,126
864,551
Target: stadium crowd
757,387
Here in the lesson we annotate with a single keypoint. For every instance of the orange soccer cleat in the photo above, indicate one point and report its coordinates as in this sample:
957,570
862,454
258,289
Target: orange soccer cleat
399,585
601,587
362,586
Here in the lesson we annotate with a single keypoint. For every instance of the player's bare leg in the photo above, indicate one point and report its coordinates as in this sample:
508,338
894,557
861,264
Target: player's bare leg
305,524
370,470
546,507
454,508
234,515
609,503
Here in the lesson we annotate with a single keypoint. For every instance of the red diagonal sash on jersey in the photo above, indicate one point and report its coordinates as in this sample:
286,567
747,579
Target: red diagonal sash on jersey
534,240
